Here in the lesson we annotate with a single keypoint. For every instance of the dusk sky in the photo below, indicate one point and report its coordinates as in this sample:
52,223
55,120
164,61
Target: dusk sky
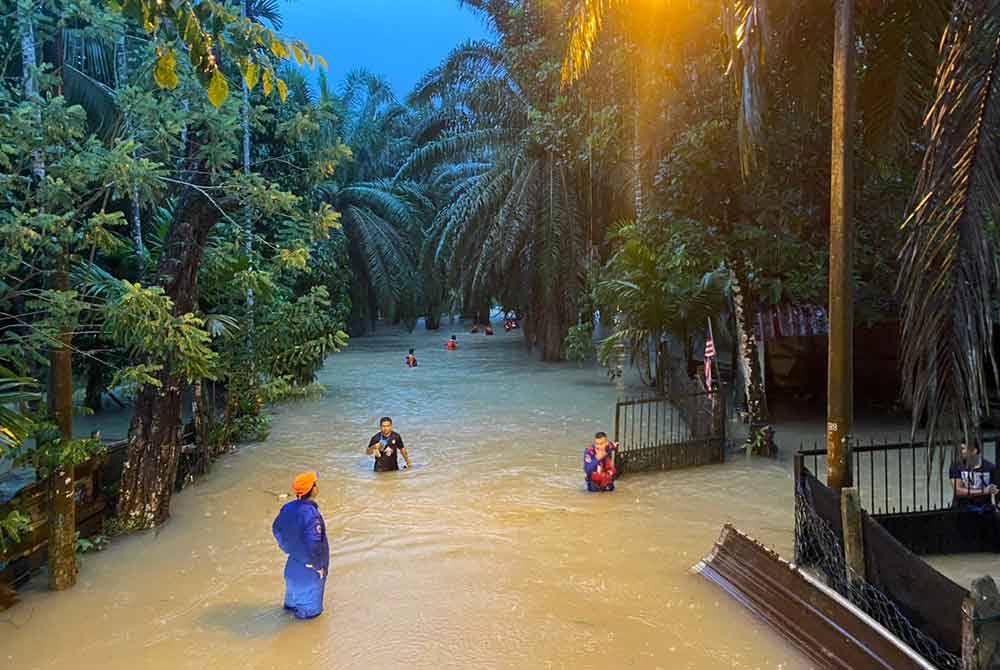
397,39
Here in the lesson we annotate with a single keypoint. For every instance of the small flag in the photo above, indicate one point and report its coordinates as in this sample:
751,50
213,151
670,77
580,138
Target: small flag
709,355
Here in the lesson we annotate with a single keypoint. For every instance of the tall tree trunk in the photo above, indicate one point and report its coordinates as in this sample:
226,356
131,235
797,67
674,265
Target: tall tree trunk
553,331
121,81
637,172
200,417
528,330
154,436
95,389
483,312
26,29
62,505
247,213
29,63
753,374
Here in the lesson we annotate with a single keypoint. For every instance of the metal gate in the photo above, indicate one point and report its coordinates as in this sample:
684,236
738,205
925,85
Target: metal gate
665,433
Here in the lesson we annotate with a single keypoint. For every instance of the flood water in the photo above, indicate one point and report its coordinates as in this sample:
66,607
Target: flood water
488,554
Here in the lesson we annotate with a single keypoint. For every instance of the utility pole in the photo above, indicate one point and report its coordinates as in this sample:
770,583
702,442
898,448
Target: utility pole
840,361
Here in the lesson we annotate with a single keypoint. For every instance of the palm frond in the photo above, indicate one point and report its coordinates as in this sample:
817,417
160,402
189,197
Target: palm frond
220,325
265,10
745,23
899,73
377,197
454,146
948,268
467,64
94,281
14,389
585,26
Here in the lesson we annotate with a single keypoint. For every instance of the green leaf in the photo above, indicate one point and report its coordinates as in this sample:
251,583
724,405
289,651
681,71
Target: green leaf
165,72
218,89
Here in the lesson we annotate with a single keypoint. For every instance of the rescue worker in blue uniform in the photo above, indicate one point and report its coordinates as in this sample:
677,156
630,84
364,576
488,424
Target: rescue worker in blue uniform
301,533
599,464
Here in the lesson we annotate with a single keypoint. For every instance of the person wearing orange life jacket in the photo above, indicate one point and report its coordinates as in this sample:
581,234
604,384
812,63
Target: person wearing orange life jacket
452,343
599,464
411,360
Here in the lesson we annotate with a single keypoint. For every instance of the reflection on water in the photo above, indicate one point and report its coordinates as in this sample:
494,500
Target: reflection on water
489,554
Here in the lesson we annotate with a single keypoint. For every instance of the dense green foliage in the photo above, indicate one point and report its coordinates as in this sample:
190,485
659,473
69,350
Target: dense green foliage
129,232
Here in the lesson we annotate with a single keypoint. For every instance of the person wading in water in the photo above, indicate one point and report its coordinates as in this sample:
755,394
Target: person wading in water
411,360
385,446
599,464
301,533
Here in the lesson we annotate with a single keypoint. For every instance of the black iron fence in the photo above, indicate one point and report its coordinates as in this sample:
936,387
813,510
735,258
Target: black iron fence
665,433
899,477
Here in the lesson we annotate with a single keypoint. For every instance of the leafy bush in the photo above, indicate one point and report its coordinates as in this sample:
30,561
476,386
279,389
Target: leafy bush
579,343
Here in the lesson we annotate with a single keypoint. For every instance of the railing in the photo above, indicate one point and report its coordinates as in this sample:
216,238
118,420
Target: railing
662,433
899,477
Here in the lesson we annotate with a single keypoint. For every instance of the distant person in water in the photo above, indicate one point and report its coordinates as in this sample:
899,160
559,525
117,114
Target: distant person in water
385,446
475,329
452,343
599,464
488,330
301,533
411,360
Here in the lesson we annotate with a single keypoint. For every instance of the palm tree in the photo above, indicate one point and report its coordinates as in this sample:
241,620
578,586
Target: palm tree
509,228
381,218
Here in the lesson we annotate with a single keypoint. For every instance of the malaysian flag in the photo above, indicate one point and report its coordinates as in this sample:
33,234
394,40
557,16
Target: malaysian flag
709,355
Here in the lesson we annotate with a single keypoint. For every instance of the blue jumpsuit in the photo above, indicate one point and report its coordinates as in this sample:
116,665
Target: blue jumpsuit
301,533
590,463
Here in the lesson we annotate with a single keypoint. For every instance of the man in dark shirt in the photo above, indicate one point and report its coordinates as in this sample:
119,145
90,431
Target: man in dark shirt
973,479
385,445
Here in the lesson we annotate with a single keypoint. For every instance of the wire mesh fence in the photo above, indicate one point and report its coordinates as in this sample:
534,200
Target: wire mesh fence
818,547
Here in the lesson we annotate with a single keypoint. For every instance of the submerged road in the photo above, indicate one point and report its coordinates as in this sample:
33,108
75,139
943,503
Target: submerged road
488,554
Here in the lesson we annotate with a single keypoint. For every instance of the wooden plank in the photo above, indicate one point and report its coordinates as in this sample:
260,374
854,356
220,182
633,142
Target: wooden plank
830,631
854,543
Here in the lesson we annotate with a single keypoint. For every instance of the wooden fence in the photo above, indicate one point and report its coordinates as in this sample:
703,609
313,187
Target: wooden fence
96,483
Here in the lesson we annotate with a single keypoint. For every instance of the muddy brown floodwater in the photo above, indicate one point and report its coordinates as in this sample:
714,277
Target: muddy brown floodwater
489,554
